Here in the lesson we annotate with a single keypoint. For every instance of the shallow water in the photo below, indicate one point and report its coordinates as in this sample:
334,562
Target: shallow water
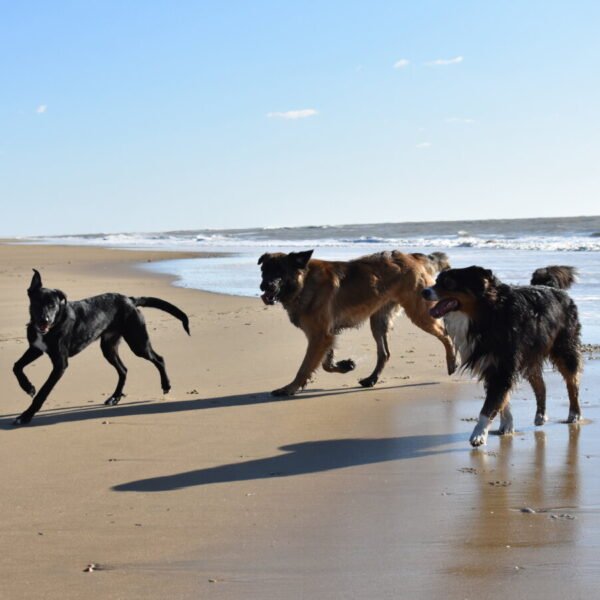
512,248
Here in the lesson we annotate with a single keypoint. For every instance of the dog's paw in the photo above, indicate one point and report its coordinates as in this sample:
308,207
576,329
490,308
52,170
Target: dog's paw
478,439
287,390
451,365
480,433
540,419
24,419
368,382
113,400
506,429
573,417
506,422
345,366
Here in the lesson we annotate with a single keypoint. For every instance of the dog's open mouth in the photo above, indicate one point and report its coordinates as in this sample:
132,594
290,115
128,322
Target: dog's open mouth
43,328
443,307
269,298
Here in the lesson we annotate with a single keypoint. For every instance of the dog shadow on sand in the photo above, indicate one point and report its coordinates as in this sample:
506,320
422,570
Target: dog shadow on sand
55,416
303,458
296,459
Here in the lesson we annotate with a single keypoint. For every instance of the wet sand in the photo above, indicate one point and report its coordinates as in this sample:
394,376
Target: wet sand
218,490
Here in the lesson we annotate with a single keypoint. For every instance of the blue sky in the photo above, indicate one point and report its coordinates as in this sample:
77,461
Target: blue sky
149,115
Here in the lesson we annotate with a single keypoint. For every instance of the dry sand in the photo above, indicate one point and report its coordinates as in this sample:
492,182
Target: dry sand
220,491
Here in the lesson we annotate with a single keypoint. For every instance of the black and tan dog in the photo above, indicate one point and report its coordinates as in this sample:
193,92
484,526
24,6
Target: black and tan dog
63,329
503,332
324,297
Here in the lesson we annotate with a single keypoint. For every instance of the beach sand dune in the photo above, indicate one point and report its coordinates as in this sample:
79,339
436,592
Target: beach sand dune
218,490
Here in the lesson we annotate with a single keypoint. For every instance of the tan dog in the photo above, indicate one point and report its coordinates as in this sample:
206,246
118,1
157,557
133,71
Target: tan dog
324,297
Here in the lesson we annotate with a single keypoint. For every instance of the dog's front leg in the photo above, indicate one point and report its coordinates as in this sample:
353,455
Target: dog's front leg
32,353
496,398
59,365
318,345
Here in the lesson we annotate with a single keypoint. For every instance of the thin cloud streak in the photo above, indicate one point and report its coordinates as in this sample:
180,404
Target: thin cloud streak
440,62
460,120
293,114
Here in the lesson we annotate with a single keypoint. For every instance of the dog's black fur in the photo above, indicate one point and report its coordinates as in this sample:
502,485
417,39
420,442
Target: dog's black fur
503,332
63,329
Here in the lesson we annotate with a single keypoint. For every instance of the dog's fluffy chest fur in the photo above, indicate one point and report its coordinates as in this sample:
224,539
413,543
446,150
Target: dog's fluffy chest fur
457,326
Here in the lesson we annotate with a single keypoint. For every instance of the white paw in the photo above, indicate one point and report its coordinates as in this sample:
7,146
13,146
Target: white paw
574,417
478,439
506,429
540,419
480,433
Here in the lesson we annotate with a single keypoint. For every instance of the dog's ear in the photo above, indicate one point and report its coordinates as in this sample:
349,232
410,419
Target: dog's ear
36,283
490,283
300,259
62,297
262,259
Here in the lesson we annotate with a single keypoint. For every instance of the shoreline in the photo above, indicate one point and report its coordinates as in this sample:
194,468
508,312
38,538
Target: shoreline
220,490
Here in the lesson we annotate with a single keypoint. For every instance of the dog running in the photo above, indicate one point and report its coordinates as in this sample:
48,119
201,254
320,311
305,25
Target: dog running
503,332
63,329
325,297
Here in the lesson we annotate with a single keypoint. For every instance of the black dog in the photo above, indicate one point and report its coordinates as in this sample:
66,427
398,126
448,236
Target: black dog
503,332
63,329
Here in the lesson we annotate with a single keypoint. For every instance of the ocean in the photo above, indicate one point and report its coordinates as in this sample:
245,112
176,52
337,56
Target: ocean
512,248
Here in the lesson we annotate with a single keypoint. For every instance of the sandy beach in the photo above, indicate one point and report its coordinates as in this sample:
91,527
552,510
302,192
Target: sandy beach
218,490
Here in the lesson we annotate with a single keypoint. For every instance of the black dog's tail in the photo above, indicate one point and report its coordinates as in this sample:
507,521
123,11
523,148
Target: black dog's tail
166,306
558,277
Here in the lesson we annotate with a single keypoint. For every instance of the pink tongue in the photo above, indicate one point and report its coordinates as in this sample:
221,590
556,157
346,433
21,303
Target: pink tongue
443,307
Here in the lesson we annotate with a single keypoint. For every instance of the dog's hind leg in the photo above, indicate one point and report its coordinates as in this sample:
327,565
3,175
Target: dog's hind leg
32,353
566,355
136,336
570,374
381,322
536,381
418,313
341,366
110,349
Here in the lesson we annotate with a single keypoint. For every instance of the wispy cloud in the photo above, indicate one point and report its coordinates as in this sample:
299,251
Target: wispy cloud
293,114
424,145
440,62
460,120
402,63
41,109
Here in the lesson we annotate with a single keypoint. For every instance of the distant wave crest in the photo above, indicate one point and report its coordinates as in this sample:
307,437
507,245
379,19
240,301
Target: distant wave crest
462,239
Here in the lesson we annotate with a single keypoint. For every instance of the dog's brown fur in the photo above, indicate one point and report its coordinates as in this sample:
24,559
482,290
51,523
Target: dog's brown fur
324,297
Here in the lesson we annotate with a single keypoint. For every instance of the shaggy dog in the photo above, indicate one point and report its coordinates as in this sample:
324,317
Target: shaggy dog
503,332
